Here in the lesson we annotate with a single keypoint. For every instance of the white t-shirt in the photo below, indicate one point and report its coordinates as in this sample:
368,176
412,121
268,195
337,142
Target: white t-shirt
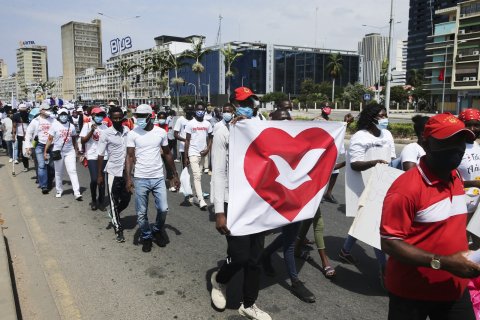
469,169
199,132
412,152
62,132
147,146
92,143
180,127
7,126
363,141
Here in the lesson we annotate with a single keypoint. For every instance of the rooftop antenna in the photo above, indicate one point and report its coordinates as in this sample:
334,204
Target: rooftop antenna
219,33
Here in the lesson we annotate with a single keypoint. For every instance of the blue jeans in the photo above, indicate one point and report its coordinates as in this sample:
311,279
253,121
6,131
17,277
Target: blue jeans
287,240
143,187
10,145
350,242
45,171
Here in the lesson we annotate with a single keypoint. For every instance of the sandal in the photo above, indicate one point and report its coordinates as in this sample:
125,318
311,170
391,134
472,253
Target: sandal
304,256
329,272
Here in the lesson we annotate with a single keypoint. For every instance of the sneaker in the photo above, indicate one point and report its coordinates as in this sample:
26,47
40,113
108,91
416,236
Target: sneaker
253,312
25,169
206,195
347,257
219,293
16,162
330,198
268,269
44,190
93,206
78,197
58,195
176,160
173,189
120,238
299,289
10,160
206,171
203,205
147,245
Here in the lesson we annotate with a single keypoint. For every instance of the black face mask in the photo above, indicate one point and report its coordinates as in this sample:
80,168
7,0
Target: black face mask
117,125
447,160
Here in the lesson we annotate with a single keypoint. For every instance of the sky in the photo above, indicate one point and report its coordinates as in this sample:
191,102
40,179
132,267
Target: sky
338,23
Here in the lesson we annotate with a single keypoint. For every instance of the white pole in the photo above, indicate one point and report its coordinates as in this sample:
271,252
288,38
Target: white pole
389,72
444,76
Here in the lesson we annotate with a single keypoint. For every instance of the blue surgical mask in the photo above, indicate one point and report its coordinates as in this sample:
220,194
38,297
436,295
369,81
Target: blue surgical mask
142,122
162,121
63,118
382,124
227,117
245,111
200,113
98,119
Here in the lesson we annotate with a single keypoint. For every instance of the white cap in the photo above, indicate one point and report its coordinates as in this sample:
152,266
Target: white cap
22,106
111,103
45,106
80,109
62,110
144,109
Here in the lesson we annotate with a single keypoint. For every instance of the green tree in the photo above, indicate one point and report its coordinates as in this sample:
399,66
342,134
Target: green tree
275,97
124,68
43,88
186,100
398,94
310,93
334,68
415,77
230,57
158,63
197,53
175,63
354,93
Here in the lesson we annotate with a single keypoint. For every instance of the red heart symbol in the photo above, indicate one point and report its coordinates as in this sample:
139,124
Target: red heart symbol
261,171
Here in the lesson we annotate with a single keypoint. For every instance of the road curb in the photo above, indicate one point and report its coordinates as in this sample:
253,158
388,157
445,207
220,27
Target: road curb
7,301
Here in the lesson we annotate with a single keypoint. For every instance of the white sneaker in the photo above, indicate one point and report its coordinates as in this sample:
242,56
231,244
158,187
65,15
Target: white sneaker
16,161
11,160
206,171
253,313
219,293
176,160
58,195
25,169
173,189
78,197
202,204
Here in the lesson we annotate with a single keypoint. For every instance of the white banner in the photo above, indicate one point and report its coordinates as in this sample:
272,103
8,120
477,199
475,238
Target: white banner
279,171
366,226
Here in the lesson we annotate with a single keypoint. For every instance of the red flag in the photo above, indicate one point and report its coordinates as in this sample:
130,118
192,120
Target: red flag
441,76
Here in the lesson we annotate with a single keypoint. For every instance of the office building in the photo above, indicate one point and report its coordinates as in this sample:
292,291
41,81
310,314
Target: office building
454,56
399,68
81,49
421,24
32,68
374,49
3,69
8,87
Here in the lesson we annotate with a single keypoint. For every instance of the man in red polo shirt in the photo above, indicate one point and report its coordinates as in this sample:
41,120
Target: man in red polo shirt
423,229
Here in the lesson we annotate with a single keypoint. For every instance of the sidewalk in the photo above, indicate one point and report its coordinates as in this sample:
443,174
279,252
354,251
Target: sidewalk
7,301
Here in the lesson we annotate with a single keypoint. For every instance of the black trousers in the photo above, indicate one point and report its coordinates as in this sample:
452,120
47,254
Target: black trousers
406,309
119,199
244,253
20,140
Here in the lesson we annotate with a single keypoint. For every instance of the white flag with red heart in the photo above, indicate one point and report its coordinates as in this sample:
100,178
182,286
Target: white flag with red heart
278,171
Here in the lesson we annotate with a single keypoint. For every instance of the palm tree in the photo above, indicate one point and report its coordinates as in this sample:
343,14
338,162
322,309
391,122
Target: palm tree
158,63
334,67
175,63
415,77
124,68
230,57
26,91
43,87
197,53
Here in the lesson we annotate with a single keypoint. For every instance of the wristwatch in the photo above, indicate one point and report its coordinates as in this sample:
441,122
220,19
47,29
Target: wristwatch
435,263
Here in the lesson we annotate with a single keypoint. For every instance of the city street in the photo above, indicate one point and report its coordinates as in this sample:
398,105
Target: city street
67,264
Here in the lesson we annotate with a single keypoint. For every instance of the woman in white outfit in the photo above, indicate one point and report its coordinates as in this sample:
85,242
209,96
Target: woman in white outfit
63,135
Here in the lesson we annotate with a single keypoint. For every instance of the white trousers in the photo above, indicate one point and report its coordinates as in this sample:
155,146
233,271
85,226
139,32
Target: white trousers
70,161
195,164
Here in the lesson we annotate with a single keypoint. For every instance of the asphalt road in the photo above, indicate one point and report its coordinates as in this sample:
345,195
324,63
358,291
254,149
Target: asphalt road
90,276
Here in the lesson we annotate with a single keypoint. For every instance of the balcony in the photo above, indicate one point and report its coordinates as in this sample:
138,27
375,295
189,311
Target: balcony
461,57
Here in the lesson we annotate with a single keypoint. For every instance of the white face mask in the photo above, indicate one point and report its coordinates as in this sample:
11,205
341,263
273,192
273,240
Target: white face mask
382,124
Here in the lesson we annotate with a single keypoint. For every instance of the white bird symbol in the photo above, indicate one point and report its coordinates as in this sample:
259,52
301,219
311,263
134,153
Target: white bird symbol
292,179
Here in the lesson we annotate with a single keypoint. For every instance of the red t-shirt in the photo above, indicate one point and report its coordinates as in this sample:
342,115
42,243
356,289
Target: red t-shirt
429,214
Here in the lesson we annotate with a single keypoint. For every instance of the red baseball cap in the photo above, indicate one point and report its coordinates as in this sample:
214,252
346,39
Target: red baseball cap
97,110
469,114
444,126
243,93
